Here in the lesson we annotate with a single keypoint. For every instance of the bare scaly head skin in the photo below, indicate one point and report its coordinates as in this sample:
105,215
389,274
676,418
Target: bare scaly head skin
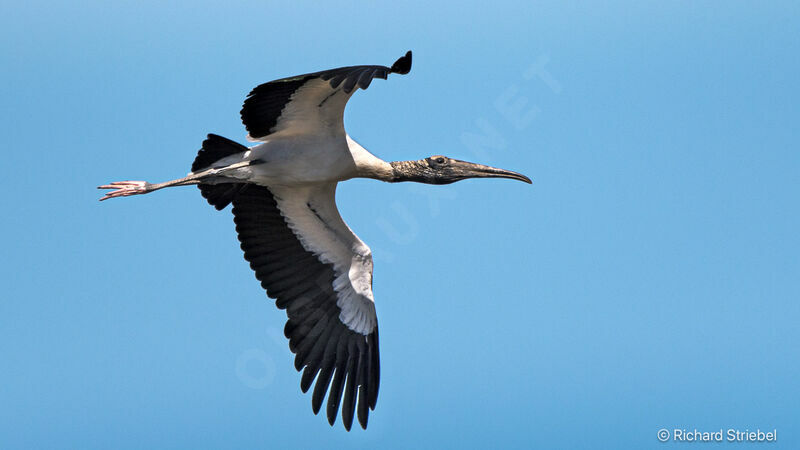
440,169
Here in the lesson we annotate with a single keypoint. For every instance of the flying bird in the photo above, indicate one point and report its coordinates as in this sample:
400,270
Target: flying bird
305,256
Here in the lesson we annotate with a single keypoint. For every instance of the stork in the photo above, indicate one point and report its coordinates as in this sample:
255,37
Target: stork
306,258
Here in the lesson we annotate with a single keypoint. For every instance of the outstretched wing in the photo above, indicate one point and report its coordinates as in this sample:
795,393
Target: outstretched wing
321,273
311,103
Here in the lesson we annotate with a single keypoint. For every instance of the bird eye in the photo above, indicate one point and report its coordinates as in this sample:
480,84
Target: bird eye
439,159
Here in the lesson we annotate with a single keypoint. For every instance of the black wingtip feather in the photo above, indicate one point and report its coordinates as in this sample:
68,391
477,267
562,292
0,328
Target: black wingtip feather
309,373
375,369
321,388
362,411
337,385
328,364
349,401
403,64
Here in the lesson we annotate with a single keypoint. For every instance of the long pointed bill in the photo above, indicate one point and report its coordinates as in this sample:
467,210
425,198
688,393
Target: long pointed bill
472,170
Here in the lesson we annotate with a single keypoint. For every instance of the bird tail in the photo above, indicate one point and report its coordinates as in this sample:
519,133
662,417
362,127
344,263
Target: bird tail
215,148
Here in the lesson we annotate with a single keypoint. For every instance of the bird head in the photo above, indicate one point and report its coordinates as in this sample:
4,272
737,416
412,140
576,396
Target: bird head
439,169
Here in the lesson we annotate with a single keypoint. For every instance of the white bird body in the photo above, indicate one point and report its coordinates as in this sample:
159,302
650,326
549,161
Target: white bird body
283,192
300,159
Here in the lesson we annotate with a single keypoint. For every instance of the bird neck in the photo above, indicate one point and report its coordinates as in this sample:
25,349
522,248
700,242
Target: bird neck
370,166
416,171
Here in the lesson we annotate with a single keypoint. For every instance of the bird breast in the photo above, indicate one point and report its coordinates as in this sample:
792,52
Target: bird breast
298,160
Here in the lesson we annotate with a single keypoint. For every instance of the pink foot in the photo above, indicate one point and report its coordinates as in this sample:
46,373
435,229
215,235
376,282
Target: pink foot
124,189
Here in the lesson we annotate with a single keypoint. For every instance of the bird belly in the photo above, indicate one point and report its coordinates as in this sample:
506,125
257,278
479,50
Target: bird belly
295,161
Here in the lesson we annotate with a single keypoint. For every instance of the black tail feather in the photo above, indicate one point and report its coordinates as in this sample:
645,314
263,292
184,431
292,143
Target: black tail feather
215,148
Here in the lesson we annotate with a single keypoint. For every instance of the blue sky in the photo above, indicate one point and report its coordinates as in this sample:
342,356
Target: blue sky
648,278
